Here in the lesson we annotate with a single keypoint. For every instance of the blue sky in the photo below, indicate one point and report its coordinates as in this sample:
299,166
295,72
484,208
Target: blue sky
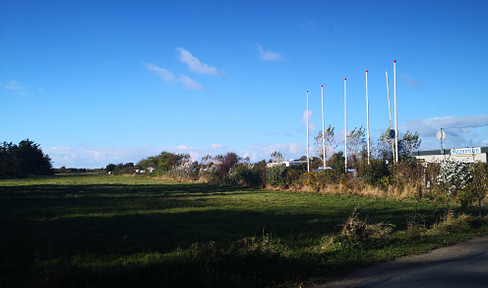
98,82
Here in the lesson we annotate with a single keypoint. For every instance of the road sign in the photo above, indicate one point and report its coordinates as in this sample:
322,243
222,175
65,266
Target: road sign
391,134
441,135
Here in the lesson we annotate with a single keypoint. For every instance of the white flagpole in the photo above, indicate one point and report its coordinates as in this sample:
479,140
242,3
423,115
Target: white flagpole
345,126
396,114
367,111
323,128
308,159
389,111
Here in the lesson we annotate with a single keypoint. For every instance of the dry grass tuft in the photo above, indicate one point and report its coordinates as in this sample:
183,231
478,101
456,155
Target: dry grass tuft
359,233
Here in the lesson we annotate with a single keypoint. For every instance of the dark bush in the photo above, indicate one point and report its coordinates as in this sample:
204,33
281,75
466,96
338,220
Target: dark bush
374,172
292,174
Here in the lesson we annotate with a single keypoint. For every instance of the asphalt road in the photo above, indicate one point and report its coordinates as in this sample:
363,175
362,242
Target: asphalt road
464,264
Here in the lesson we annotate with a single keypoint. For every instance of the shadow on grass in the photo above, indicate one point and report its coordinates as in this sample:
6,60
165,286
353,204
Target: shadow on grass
53,224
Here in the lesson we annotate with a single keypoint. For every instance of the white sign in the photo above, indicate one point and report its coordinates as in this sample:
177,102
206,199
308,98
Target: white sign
465,151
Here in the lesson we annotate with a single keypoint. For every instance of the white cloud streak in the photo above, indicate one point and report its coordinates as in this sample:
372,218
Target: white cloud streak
13,85
312,126
412,83
98,157
169,77
269,55
194,63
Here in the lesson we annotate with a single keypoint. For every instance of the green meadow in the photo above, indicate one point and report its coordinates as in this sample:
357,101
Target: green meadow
116,231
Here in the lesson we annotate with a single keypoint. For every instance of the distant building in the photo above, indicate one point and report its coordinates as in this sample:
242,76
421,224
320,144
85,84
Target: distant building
292,162
468,154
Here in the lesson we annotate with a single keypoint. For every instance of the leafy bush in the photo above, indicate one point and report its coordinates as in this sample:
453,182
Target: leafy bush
274,176
292,174
374,172
187,171
250,175
454,179
312,180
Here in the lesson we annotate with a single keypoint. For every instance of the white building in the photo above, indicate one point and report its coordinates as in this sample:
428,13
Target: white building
468,154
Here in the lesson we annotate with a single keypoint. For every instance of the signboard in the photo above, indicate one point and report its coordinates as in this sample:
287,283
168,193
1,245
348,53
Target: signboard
391,134
465,151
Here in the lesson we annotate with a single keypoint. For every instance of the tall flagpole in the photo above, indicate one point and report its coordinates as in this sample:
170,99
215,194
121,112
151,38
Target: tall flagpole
389,111
396,114
367,111
308,159
345,126
323,128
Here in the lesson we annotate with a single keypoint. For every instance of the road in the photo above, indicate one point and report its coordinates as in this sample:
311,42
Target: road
464,264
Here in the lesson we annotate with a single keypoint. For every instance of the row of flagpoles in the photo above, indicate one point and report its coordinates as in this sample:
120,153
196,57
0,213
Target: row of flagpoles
394,144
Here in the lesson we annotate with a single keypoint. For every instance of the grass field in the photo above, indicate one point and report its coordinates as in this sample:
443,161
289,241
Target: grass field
115,231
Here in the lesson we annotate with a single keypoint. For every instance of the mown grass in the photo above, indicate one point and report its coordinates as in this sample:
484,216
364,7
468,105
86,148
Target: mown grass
115,231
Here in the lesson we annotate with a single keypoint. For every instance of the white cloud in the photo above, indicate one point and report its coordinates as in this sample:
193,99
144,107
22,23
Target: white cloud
169,77
304,116
269,55
410,81
312,126
13,85
216,146
307,24
98,157
461,131
194,64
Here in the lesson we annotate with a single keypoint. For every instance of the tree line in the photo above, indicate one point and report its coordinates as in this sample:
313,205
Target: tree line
23,160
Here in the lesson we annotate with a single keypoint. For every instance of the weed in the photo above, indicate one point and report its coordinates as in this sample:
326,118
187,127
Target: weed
359,233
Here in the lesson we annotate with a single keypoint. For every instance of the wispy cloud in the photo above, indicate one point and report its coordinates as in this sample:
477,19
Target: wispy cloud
194,64
97,157
169,77
13,85
461,131
216,146
308,25
269,55
410,81
312,126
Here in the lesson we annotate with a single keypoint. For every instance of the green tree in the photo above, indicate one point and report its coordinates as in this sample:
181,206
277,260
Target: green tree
23,160
409,142
228,162
329,142
356,145
110,167
336,161
383,148
277,157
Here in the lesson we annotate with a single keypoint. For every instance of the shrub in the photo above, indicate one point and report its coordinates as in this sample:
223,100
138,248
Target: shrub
454,179
251,175
274,176
292,174
374,172
314,180
185,171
